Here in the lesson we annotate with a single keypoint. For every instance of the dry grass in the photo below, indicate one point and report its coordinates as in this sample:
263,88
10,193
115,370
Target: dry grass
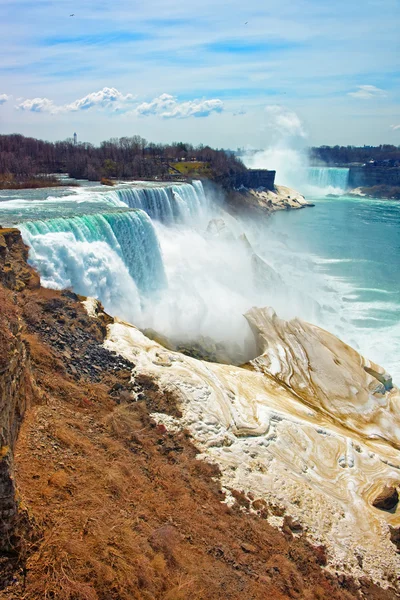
123,515
193,168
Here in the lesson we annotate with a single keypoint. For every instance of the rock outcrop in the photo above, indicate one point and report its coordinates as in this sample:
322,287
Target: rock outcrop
303,427
15,393
15,386
328,375
264,200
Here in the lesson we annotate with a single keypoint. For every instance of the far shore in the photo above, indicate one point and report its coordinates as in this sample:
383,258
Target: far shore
35,183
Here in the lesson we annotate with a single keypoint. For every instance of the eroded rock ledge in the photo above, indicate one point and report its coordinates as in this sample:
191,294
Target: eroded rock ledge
265,200
305,426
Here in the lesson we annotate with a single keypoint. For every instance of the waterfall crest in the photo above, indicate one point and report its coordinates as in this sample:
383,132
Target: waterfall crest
179,203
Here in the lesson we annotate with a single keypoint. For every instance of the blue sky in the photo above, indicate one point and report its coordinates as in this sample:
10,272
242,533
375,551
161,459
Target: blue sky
197,72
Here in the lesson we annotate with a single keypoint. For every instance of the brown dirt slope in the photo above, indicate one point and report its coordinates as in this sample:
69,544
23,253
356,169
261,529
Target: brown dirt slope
112,506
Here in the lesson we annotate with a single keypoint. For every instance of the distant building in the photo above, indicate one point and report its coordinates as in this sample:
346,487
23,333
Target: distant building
75,139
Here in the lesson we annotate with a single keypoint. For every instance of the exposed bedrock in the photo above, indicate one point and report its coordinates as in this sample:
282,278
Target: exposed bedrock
15,386
303,427
327,375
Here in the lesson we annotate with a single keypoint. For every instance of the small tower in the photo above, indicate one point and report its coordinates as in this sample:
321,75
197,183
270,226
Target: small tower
75,139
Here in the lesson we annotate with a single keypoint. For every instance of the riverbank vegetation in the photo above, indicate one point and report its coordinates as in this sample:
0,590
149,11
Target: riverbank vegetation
123,158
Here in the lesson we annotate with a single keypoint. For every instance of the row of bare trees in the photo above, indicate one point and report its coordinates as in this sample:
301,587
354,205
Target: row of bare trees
342,155
123,157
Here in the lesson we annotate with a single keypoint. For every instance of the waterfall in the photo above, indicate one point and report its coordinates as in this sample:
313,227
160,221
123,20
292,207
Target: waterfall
113,255
328,179
179,203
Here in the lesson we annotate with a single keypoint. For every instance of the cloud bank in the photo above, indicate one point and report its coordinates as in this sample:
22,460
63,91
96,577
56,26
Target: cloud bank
164,106
105,98
4,98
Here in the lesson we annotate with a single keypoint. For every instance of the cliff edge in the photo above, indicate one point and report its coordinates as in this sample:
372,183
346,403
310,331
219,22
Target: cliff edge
121,495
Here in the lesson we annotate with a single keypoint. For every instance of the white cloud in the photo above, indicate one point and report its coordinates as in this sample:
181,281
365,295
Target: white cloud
365,92
284,121
4,98
105,98
395,127
40,105
165,106
168,107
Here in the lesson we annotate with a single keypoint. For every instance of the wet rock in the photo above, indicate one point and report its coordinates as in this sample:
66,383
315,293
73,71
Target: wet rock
384,378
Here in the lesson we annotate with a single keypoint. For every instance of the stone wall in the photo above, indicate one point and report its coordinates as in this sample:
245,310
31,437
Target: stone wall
371,176
254,179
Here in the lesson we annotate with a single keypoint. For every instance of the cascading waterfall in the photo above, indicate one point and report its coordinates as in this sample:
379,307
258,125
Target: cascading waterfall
114,256
328,178
168,204
205,276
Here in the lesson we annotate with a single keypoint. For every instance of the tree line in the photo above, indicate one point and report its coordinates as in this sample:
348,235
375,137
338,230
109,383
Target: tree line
342,155
125,157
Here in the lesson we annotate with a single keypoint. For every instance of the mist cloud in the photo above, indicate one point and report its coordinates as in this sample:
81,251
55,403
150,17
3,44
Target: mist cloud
284,121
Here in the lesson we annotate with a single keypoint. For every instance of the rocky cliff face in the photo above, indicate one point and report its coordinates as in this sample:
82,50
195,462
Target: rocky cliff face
372,176
14,396
264,200
15,386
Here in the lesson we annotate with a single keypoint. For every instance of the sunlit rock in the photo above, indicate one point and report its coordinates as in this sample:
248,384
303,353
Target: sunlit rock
328,375
303,428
